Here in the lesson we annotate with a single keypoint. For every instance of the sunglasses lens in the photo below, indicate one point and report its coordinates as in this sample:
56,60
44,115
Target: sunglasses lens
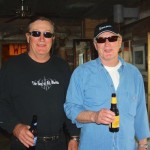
35,33
101,40
48,35
110,39
38,33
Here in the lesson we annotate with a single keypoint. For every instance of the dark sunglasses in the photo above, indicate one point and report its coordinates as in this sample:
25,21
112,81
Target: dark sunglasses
110,39
38,33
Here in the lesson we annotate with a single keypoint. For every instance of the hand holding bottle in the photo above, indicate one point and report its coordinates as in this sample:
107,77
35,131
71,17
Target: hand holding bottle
21,131
104,116
33,129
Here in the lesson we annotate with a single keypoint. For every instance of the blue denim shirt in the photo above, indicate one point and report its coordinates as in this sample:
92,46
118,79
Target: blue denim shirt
90,88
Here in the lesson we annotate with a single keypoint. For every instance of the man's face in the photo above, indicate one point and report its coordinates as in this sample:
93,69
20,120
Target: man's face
108,50
40,46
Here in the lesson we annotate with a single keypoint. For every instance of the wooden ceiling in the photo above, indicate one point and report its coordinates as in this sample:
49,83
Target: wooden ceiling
14,12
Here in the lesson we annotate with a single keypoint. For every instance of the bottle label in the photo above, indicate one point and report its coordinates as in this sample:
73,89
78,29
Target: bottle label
35,140
114,100
35,124
115,123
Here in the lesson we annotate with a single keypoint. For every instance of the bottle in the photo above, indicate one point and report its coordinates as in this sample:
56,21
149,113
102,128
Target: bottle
114,126
33,129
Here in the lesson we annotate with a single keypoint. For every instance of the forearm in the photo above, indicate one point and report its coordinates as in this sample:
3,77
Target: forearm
143,141
143,144
103,116
86,117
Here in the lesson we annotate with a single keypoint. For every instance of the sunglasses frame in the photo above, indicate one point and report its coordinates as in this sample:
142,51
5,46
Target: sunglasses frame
113,38
38,34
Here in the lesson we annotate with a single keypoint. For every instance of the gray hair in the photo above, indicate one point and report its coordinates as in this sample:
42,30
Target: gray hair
42,19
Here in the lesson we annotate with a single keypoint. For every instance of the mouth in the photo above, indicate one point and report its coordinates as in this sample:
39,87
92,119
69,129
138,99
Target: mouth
41,45
107,50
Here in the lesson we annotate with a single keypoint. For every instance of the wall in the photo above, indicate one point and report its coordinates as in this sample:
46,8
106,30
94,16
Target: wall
137,33
88,26
65,31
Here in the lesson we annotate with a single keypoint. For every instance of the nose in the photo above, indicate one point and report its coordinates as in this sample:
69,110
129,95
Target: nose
42,37
107,42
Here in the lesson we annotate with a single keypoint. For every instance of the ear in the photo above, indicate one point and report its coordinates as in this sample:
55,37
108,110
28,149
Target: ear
120,41
95,45
27,37
53,38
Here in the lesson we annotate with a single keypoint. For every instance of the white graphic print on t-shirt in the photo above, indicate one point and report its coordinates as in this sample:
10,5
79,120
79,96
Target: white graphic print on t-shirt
45,83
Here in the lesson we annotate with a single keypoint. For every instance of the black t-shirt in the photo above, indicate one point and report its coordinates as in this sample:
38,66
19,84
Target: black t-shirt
28,88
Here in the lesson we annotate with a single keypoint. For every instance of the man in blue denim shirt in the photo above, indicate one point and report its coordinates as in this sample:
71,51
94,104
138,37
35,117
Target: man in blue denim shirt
89,95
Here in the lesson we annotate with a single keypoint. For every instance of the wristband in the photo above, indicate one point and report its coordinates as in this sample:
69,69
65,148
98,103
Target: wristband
143,146
75,138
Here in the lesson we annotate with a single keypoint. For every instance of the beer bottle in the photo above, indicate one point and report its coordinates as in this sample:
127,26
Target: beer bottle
114,126
33,129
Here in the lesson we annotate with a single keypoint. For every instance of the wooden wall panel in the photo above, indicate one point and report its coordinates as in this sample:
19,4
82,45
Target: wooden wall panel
89,26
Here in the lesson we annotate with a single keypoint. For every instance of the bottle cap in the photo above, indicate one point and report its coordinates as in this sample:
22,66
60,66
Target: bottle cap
113,94
114,99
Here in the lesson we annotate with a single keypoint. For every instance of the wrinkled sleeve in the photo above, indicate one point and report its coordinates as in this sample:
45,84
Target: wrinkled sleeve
74,99
69,127
8,118
142,129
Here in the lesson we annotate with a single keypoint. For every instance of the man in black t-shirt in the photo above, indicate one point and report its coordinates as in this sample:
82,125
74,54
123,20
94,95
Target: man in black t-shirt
35,83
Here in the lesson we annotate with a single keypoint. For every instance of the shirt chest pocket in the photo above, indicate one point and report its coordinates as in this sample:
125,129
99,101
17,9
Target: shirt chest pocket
95,99
127,104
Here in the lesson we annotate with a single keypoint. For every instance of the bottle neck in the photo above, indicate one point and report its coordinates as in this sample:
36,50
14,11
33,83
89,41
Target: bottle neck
113,105
114,100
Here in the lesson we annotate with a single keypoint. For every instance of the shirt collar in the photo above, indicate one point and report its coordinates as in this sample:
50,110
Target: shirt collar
120,59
